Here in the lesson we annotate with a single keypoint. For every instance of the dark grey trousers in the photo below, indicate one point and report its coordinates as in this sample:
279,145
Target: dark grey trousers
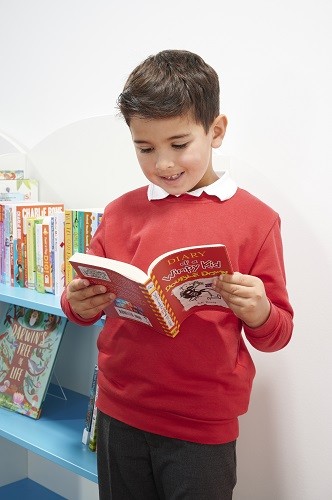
137,465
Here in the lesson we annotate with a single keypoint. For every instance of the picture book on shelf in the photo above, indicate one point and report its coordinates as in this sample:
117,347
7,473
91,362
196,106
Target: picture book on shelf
176,284
29,344
18,189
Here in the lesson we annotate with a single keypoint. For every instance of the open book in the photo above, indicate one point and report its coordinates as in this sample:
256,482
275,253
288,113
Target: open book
176,284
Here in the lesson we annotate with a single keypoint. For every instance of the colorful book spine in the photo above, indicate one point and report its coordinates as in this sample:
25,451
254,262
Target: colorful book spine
69,273
39,256
31,254
93,430
48,253
89,413
59,253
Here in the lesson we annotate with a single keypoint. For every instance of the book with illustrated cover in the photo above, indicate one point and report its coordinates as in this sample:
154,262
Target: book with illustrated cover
176,284
11,174
18,189
29,344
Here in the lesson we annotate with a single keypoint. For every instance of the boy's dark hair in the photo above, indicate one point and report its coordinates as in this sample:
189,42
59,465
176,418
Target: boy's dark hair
172,83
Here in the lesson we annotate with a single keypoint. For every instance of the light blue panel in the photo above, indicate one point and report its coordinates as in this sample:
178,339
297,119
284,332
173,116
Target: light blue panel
56,436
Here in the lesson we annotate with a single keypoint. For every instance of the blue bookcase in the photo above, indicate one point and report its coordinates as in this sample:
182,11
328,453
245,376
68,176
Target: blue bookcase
56,436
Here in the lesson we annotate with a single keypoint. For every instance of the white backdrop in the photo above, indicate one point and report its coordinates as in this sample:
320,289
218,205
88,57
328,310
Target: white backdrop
62,66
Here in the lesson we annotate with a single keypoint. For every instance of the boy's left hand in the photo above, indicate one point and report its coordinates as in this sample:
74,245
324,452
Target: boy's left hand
245,295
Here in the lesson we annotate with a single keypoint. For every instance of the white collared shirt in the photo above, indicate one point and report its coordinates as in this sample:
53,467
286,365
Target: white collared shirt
224,188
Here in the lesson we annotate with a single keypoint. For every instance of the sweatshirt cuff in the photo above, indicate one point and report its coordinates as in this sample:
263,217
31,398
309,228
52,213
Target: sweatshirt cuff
266,328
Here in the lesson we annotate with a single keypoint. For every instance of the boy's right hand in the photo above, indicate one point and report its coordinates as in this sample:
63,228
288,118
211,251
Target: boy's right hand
87,300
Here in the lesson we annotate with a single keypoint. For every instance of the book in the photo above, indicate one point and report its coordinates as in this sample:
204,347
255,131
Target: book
11,174
68,249
176,284
91,404
29,344
18,189
14,221
92,443
80,226
25,211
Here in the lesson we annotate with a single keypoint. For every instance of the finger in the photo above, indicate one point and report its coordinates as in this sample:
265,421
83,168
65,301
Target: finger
77,284
237,279
91,306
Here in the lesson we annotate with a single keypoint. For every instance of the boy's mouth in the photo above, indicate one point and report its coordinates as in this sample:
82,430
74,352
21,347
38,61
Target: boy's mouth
172,177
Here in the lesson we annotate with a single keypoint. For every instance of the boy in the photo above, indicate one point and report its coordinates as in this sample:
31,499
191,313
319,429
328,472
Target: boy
168,408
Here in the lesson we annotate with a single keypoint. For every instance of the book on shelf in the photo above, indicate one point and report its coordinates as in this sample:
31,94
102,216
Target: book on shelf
11,174
13,221
176,284
18,189
92,443
45,253
80,226
29,344
91,404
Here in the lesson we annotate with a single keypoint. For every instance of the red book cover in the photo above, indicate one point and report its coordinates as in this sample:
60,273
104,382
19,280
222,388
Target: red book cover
176,284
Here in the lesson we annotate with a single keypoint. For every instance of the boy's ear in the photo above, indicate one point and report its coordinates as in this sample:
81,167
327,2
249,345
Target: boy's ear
218,130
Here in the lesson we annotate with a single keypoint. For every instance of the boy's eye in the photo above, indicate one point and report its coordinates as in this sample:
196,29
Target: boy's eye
145,150
180,146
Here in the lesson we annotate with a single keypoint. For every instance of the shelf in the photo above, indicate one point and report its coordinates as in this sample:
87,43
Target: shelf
27,489
56,435
45,302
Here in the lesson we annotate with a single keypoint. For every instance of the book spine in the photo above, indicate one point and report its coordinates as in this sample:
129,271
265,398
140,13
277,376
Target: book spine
39,256
31,254
75,230
87,230
166,311
19,272
161,308
89,413
69,274
46,253
59,253
93,430
81,237
8,237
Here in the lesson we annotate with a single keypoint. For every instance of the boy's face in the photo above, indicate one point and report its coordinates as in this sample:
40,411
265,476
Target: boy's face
175,153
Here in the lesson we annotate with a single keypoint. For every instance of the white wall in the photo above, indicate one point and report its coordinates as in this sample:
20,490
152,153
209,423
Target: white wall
65,62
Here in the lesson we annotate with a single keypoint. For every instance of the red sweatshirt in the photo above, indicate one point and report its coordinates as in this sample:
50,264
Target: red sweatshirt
193,386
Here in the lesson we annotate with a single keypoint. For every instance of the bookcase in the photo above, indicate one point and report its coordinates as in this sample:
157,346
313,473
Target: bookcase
45,458
55,437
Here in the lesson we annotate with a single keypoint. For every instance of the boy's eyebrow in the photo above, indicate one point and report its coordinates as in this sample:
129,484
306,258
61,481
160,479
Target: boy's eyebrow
174,137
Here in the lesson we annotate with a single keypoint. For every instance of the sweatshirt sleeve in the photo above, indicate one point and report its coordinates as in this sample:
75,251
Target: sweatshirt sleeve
276,332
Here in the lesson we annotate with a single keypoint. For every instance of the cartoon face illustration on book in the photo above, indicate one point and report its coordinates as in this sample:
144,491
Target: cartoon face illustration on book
197,292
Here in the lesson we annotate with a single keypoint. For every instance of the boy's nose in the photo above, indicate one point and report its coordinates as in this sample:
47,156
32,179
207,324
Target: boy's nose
164,164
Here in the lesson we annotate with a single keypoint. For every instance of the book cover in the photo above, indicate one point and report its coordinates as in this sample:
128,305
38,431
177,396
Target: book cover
18,189
175,285
29,344
11,174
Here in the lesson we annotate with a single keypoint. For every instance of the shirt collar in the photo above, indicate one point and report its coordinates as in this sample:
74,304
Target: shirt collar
224,188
